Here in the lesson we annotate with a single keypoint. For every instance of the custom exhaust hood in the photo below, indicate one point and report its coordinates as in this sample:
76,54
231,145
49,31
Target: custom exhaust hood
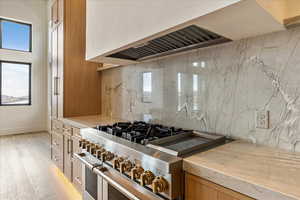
187,38
139,30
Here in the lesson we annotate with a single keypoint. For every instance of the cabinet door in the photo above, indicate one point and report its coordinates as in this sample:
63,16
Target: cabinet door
77,166
54,75
57,148
60,15
54,13
197,188
60,69
57,12
68,166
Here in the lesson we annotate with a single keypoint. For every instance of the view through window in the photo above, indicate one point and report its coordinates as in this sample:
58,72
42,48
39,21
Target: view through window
15,35
15,77
15,83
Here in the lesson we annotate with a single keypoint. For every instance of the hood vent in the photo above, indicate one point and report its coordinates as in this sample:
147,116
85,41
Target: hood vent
188,38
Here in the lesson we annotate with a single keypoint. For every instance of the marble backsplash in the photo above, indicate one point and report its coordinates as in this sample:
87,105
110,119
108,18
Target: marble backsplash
218,89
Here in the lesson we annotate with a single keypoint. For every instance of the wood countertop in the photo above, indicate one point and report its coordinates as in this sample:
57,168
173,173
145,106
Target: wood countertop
90,121
260,172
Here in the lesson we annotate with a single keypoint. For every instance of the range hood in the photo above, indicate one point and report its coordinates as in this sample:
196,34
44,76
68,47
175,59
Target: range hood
142,30
188,38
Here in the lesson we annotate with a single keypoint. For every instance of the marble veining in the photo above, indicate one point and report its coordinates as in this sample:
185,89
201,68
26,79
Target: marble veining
218,89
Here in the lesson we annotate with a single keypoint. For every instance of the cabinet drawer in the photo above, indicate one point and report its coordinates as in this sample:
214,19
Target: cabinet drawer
76,132
76,148
67,130
77,175
57,126
57,158
68,168
57,140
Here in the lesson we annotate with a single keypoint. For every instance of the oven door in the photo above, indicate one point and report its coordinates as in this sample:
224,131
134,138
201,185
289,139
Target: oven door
90,184
97,188
109,192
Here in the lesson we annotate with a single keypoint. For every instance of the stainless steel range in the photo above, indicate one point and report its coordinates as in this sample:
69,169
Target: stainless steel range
137,160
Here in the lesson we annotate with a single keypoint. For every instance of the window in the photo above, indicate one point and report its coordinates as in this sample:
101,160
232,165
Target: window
15,35
15,83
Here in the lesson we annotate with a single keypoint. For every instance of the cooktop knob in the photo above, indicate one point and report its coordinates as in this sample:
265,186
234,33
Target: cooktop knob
117,161
146,178
107,156
92,148
125,166
136,172
89,146
81,142
84,143
98,152
160,184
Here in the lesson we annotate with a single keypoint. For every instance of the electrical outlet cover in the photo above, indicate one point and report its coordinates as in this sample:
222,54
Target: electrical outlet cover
262,119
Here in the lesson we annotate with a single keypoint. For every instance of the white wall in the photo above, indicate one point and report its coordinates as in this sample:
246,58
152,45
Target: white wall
22,119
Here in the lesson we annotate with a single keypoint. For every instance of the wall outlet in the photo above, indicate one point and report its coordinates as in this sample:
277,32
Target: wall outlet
262,119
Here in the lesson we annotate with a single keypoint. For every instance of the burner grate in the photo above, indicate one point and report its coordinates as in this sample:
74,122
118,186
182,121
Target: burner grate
141,132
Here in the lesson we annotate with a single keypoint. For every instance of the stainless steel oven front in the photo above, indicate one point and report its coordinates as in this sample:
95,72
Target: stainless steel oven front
97,188
101,182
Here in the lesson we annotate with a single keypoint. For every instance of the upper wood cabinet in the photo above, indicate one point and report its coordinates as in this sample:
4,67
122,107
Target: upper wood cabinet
197,188
75,81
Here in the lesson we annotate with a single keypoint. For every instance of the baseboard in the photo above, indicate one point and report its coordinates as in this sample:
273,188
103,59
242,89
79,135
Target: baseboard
22,130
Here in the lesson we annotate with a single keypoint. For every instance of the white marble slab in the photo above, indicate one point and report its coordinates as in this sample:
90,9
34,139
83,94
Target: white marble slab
218,89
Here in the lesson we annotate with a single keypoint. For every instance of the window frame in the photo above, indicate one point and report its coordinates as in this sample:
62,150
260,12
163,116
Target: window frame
17,22
29,90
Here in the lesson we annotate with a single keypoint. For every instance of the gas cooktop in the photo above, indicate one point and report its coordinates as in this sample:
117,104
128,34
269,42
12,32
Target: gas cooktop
141,132
143,153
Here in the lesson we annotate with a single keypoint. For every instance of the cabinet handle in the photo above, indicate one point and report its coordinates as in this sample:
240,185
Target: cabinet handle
78,180
69,146
55,143
56,85
55,158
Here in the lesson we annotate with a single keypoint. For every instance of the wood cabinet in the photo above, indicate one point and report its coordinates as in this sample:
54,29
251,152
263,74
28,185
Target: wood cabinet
54,74
197,188
68,152
57,144
64,143
77,166
75,88
75,82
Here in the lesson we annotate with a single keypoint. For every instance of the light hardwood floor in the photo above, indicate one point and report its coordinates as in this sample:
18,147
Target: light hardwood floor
27,172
